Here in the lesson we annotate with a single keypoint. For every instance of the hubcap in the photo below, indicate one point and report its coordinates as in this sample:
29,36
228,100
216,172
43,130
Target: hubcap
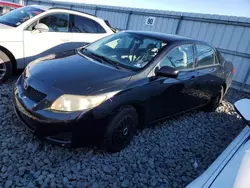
124,131
2,68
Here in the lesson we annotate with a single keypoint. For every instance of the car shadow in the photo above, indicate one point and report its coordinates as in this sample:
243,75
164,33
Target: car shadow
54,50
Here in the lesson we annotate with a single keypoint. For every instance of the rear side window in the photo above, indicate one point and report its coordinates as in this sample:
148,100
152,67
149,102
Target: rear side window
81,24
181,57
205,55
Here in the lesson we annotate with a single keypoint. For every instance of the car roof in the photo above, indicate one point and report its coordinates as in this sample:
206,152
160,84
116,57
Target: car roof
163,36
10,4
46,8
68,9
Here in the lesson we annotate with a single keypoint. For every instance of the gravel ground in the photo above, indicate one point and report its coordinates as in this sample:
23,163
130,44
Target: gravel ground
169,154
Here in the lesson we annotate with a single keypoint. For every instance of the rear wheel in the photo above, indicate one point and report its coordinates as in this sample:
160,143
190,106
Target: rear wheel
121,129
215,101
5,67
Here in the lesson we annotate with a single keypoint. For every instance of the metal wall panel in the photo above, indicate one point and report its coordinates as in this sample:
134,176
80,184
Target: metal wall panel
229,34
238,62
116,19
83,9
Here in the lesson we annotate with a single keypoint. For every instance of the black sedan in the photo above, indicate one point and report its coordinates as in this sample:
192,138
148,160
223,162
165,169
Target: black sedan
105,91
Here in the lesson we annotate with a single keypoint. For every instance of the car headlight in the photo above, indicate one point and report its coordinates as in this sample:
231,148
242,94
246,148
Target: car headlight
71,103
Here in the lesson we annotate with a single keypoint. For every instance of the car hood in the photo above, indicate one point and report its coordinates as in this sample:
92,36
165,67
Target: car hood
72,73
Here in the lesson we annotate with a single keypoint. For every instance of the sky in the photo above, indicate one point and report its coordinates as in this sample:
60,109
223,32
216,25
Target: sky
222,7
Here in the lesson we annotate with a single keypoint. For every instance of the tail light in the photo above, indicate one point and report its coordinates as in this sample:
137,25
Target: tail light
234,70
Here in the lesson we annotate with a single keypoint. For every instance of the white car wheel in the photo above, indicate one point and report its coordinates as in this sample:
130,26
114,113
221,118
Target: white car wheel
5,67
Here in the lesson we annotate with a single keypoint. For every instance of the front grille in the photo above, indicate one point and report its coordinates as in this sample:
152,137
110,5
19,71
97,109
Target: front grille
32,93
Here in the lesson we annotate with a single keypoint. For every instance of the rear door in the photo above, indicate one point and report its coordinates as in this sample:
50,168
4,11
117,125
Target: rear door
85,30
209,73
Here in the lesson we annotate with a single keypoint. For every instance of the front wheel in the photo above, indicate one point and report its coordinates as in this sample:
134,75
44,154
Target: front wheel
215,101
121,129
5,67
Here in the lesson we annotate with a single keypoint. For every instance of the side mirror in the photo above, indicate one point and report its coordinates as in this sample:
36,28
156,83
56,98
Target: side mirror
42,27
243,108
167,71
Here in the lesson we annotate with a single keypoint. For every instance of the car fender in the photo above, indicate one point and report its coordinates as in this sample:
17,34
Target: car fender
16,49
123,98
12,40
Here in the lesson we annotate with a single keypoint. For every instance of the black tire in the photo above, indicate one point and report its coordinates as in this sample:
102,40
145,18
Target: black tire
215,101
5,64
121,129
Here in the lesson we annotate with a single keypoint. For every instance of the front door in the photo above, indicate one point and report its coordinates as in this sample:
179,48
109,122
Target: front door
171,96
58,38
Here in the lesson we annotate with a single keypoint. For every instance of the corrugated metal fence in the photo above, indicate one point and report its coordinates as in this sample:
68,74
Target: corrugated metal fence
231,35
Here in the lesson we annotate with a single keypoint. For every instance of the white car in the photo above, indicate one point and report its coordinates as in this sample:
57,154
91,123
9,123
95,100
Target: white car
232,167
34,31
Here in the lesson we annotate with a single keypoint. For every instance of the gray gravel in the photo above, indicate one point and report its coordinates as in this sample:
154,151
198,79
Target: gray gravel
169,154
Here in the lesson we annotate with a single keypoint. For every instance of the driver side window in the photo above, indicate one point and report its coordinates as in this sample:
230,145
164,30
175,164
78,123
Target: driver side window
180,58
56,22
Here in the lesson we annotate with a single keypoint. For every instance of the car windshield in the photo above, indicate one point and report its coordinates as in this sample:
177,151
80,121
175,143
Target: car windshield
18,16
129,50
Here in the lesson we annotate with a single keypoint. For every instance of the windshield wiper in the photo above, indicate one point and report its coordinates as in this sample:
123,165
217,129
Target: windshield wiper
113,63
103,58
89,54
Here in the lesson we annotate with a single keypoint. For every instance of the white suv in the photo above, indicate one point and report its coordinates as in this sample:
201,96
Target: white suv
34,31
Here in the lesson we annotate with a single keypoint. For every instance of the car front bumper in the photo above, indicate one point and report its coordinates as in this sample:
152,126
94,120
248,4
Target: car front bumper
56,132
65,129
